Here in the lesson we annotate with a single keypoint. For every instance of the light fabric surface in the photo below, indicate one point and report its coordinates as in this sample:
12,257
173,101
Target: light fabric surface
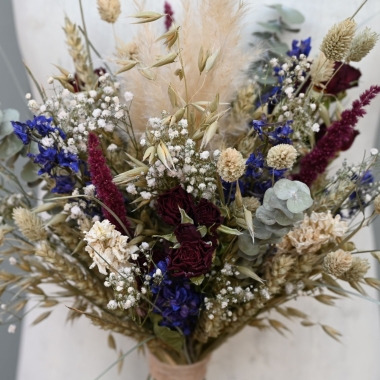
61,351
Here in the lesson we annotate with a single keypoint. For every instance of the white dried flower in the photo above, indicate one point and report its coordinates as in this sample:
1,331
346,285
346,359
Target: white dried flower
107,247
112,148
282,156
337,263
374,152
314,231
315,127
11,329
109,10
336,44
231,165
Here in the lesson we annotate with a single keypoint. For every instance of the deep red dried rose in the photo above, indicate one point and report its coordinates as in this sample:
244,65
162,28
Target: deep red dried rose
187,232
168,205
191,259
207,214
346,77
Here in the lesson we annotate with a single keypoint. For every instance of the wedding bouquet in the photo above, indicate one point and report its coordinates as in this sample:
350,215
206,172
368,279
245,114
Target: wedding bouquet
185,192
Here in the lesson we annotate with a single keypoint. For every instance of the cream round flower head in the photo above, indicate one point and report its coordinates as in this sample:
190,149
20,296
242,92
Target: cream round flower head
376,204
337,263
357,271
282,156
109,10
231,165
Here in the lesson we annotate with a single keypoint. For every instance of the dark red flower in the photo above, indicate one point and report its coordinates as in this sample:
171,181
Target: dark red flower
191,259
169,15
168,204
207,214
344,78
107,191
187,232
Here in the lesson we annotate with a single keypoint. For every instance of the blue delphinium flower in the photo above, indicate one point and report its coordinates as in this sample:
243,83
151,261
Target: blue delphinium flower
64,184
303,48
176,300
281,134
39,124
21,130
255,164
50,158
229,190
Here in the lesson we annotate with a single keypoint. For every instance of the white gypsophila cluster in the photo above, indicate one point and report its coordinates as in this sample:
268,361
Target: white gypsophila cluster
79,209
107,247
124,285
228,297
194,169
295,106
77,114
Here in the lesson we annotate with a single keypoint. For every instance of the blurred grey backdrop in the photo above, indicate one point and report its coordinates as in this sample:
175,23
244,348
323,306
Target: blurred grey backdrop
13,87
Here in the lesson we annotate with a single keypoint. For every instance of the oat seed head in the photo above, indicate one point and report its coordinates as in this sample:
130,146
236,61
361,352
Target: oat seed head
30,225
376,204
361,45
336,44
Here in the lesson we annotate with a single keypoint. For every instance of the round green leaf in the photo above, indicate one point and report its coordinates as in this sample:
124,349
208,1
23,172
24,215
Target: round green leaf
284,189
302,186
289,15
29,172
300,202
6,126
9,146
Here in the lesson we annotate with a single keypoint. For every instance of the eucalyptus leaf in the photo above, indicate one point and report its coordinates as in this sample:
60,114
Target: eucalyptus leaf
9,146
269,80
265,216
279,48
285,189
6,127
275,28
282,219
245,244
300,202
29,172
302,186
289,15
172,338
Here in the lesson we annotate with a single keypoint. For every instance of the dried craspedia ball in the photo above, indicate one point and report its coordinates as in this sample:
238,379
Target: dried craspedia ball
357,271
282,156
231,165
337,41
376,204
109,10
337,263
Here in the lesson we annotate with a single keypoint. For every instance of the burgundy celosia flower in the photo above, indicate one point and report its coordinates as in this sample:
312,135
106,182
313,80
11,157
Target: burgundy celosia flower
339,136
168,10
106,190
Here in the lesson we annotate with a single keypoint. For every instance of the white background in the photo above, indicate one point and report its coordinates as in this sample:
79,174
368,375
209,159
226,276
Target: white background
61,351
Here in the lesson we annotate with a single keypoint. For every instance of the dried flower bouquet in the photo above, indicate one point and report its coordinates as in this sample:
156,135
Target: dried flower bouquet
183,210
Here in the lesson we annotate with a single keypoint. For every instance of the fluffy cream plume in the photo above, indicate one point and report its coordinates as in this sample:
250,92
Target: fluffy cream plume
314,231
358,270
231,165
213,25
282,156
321,69
361,45
376,204
337,263
30,225
336,44
109,10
